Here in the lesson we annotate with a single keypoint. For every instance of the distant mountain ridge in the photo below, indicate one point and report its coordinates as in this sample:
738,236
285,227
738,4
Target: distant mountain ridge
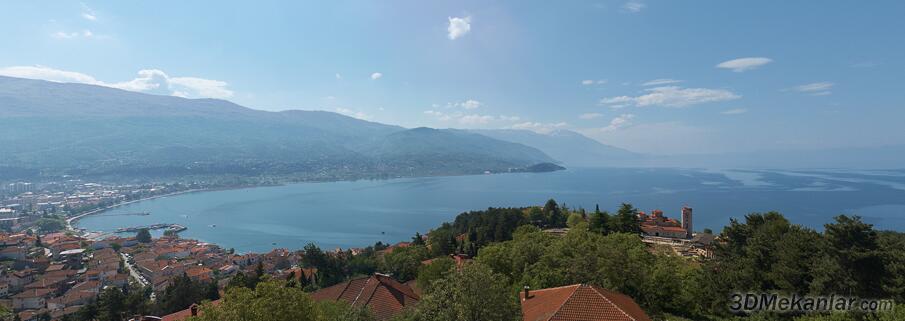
104,131
569,147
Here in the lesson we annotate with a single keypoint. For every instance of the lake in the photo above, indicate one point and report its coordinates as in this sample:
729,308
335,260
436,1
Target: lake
360,213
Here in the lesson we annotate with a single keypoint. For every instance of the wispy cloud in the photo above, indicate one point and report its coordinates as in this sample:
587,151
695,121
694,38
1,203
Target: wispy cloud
87,34
619,122
543,128
148,81
661,81
467,104
590,115
353,113
671,96
865,64
471,119
734,111
815,89
634,6
376,76
87,13
470,104
458,27
588,82
744,64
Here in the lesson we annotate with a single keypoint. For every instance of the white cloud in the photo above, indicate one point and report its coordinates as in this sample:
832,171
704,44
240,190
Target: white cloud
588,82
475,119
543,128
201,87
471,120
353,113
815,89
87,13
84,34
467,104
590,115
619,122
458,27
376,76
734,111
660,82
634,6
744,64
509,118
148,81
441,116
470,104
671,96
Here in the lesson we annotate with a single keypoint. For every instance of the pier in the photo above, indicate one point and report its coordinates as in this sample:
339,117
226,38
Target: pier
176,228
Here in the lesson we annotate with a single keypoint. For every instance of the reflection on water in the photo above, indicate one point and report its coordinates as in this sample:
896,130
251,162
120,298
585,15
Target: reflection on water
351,214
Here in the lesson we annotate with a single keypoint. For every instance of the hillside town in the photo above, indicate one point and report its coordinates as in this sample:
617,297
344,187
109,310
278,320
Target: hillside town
47,276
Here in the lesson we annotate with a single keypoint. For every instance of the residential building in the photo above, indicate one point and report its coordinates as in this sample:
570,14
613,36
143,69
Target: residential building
579,302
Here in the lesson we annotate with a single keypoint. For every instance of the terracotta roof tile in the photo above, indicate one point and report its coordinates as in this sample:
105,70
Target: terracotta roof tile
579,302
382,295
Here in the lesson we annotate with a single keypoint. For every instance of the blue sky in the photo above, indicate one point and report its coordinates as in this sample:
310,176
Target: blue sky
652,76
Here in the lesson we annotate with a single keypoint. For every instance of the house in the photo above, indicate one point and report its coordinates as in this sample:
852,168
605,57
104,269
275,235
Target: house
13,253
579,302
31,299
185,314
381,294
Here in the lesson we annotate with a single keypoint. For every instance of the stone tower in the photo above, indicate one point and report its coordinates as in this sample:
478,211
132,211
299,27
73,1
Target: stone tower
686,221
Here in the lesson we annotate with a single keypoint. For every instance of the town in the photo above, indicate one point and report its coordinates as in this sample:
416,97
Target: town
54,272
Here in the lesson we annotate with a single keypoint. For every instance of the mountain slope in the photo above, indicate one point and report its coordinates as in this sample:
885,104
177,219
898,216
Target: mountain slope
100,130
569,147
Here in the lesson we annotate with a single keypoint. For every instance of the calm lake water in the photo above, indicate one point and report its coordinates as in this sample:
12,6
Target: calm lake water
356,214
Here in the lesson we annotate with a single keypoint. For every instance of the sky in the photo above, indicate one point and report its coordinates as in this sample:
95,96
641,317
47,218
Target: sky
653,76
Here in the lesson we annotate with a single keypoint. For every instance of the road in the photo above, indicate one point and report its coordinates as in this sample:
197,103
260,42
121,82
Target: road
133,271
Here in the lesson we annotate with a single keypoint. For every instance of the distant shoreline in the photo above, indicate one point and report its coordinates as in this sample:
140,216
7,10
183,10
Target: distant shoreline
74,219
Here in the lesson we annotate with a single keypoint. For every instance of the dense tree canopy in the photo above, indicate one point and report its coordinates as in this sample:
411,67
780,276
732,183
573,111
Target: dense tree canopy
474,293
273,301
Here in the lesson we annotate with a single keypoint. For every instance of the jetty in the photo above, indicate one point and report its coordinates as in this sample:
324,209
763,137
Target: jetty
176,228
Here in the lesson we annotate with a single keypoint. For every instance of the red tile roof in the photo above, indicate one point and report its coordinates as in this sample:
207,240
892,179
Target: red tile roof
382,295
185,314
579,302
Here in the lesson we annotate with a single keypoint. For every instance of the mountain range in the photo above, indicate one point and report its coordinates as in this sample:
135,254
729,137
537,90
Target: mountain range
88,129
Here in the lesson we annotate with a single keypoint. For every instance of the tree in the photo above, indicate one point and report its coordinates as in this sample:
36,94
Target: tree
852,262
574,219
143,235
434,271
555,217
600,222
626,220
417,239
273,301
403,262
50,224
474,293
182,292
442,240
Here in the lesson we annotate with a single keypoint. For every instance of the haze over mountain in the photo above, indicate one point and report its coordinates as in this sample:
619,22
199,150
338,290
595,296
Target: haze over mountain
569,147
100,130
